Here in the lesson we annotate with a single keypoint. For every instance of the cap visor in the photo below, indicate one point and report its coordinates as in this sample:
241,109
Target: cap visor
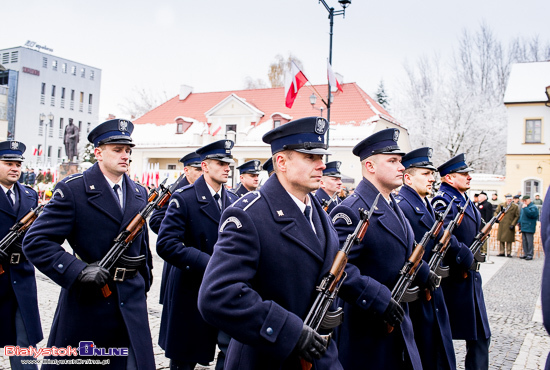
314,151
464,170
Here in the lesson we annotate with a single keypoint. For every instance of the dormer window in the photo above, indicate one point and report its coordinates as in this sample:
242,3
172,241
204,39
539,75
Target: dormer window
179,128
276,123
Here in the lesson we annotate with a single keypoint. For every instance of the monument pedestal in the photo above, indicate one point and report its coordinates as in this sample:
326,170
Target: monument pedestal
66,169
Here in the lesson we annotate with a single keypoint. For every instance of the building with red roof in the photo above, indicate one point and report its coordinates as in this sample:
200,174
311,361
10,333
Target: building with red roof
191,120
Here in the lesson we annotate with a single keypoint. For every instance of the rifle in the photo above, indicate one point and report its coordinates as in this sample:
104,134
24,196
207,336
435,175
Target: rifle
483,235
412,294
19,229
157,198
410,268
326,203
318,316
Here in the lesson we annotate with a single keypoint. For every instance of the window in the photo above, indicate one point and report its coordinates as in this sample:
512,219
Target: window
49,151
82,97
43,89
5,58
82,72
179,129
276,123
79,126
92,74
72,95
90,99
15,57
230,128
81,105
531,187
73,70
62,93
43,93
64,67
533,130
58,152
53,91
54,65
72,100
60,123
171,166
88,127
44,62
60,131
52,103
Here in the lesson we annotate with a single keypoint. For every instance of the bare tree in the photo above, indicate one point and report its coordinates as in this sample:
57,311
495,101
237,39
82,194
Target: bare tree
457,107
275,74
142,101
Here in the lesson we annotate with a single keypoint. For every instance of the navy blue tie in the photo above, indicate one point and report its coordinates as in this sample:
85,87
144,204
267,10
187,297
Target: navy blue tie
217,198
9,193
115,188
307,213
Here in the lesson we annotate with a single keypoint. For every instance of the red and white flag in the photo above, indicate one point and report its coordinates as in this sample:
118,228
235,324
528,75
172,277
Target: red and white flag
34,150
294,81
332,81
40,151
214,128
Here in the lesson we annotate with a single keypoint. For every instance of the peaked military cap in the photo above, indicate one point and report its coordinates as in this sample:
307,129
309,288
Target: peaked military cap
192,160
253,167
115,131
419,158
381,142
304,135
12,151
268,166
220,150
332,169
457,164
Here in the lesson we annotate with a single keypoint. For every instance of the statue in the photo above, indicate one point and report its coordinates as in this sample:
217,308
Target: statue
70,139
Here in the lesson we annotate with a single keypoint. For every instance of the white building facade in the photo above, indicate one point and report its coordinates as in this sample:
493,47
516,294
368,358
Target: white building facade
41,93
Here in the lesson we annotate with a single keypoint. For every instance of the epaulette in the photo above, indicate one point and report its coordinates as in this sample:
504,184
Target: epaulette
72,177
184,188
247,200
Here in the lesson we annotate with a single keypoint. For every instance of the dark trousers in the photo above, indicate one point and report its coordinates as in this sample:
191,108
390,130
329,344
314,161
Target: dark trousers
223,343
477,354
22,341
180,365
528,247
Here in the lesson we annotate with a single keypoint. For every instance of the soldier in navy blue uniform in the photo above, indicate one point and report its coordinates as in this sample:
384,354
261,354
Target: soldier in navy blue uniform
249,176
274,247
374,265
20,320
268,167
186,240
545,237
330,186
192,169
430,319
89,210
464,297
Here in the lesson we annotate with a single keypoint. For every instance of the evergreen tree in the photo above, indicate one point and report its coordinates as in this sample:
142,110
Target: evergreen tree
381,96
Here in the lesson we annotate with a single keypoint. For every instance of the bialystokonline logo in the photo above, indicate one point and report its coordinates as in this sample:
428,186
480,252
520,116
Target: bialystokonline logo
85,348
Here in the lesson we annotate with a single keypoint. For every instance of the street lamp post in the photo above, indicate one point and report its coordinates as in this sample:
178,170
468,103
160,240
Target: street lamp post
43,118
312,101
331,14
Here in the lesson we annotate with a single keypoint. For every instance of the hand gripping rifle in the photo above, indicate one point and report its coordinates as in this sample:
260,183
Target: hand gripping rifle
19,229
412,294
410,268
318,316
442,245
157,198
483,235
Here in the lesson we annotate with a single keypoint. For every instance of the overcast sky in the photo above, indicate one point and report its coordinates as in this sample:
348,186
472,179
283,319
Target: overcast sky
213,45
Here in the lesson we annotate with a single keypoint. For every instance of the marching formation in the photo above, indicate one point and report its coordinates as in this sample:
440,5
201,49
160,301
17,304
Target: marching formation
287,274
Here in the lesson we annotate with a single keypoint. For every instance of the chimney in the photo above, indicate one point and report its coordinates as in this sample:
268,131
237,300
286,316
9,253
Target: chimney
185,91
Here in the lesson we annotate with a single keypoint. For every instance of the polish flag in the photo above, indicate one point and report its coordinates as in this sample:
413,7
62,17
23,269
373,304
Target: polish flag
332,81
214,128
294,81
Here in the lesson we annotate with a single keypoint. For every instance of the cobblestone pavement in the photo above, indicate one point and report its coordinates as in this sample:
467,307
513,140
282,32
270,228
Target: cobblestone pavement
512,295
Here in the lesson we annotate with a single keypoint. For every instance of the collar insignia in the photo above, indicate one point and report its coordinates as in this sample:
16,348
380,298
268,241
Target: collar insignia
280,213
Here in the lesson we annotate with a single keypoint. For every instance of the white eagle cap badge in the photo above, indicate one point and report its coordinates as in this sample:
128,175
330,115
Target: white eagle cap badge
122,125
14,145
320,126
430,152
257,164
395,135
228,144
338,164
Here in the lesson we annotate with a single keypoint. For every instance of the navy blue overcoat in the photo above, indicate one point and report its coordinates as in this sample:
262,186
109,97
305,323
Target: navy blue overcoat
373,270
545,236
261,279
83,210
430,319
154,224
18,283
464,297
186,240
